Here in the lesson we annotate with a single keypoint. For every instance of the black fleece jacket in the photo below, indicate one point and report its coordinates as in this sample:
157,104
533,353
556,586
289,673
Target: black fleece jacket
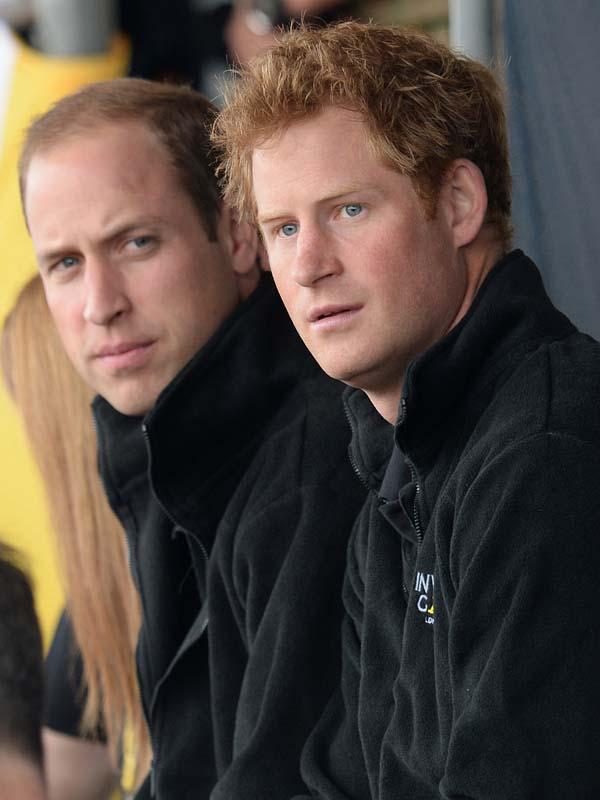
471,641
242,461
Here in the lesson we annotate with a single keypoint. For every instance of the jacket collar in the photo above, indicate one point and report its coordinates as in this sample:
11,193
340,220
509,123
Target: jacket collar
372,438
510,315
208,422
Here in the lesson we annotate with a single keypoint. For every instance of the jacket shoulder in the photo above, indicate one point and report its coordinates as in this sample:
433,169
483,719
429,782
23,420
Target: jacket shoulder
554,389
305,447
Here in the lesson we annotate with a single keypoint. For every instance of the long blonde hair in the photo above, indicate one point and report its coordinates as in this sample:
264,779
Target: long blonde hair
102,601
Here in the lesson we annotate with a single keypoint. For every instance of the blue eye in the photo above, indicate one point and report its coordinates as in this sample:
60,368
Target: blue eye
143,245
352,209
67,262
289,229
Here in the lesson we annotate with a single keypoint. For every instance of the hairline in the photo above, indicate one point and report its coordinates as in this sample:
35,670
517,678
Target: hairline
79,128
374,140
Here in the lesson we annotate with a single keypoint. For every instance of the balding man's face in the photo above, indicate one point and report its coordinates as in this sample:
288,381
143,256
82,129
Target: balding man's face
133,282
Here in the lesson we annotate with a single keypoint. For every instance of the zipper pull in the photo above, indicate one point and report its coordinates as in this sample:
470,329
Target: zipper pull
152,779
402,413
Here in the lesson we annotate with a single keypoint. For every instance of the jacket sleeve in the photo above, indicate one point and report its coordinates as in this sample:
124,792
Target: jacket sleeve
333,764
523,643
275,589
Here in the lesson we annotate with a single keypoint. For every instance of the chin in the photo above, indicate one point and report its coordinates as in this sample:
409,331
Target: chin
129,406
340,373
369,375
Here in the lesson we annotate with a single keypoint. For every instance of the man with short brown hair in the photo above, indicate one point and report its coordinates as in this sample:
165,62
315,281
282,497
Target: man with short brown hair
221,446
374,161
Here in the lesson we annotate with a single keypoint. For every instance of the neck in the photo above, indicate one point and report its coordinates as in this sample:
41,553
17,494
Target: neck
478,257
20,778
386,403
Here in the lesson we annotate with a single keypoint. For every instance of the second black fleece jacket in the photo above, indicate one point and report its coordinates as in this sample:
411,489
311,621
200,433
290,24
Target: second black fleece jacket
242,463
471,640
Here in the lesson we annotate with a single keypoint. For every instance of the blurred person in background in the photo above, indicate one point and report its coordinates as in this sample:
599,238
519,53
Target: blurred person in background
253,25
196,41
21,685
93,693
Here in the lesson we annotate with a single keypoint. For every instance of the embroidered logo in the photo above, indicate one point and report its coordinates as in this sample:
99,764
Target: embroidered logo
424,584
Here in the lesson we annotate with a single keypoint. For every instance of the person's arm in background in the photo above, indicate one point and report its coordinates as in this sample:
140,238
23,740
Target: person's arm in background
76,768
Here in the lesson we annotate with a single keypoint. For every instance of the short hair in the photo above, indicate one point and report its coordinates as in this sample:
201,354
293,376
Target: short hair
21,665
178,116
423,104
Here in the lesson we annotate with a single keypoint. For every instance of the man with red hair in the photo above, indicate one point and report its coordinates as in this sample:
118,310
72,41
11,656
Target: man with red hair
374,161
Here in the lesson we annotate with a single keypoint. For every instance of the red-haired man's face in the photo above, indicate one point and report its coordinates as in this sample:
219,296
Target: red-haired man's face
368,279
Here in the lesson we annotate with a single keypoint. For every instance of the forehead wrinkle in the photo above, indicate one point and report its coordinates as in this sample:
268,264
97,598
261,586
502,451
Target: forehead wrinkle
336,194
111,225
303,137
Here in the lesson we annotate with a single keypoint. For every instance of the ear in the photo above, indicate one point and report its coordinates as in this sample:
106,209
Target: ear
240,240
263,257
464,197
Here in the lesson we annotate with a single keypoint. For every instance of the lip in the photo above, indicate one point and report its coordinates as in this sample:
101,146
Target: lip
331,316
124,354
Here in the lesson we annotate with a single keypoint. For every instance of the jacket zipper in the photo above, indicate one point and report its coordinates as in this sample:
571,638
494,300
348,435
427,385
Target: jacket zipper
382,500
415,479
152,745
142,698
415,509
154,741
353,464
152,776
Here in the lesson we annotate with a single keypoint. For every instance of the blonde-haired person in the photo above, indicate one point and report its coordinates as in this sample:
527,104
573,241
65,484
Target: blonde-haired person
102,601
375,161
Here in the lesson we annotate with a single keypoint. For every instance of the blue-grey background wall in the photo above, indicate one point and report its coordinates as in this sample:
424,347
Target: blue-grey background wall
553,74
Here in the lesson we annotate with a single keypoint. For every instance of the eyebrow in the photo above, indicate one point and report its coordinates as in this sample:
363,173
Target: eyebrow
274,216
118,232
122,230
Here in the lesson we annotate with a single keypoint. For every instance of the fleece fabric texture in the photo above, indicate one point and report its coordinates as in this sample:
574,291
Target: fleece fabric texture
471,640
237,499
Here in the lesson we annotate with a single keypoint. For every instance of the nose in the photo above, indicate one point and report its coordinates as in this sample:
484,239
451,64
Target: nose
315,257
105,295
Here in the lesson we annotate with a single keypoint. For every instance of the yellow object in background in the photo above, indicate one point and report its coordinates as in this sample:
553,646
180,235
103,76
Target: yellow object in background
29,83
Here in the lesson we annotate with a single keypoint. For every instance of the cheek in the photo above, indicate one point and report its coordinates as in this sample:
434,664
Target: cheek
68,321
388,248
276,260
